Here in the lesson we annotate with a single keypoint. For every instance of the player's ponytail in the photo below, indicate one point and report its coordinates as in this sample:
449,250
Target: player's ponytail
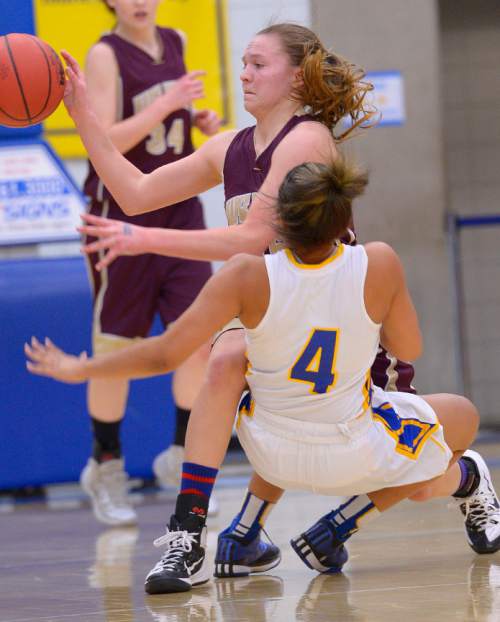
315,202
331,87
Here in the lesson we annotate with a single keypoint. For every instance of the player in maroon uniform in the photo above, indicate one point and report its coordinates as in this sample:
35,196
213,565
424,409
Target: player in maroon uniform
285,68
140,90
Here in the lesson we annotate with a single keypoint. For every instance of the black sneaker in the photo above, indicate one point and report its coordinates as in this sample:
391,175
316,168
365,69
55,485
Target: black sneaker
481,510
183,564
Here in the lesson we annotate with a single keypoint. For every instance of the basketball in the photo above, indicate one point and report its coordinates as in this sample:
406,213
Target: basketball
31,80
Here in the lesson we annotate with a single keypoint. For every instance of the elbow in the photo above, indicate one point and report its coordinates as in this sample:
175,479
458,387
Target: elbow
257,239
133,205
134,198
129,209
407,348
410,352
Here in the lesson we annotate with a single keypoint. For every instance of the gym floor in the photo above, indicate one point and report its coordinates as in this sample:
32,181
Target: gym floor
412,564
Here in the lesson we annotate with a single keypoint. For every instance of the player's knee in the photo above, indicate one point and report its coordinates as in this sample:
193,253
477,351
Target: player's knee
201,356
226,367
469,418
424,494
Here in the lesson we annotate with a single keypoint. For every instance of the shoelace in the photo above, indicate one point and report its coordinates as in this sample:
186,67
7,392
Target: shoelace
479,510
177,543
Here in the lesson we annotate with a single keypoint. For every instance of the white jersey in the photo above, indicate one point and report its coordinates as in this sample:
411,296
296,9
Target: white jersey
310,356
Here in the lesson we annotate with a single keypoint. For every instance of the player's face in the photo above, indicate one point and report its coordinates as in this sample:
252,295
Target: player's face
135,14
268,76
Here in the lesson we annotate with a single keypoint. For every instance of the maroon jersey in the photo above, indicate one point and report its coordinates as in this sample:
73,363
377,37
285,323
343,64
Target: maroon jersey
141,80
132,289
244,174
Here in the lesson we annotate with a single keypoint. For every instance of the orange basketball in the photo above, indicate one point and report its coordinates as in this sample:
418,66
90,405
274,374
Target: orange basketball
31,80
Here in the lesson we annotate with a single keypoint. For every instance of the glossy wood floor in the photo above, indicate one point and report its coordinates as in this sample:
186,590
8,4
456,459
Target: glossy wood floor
413,564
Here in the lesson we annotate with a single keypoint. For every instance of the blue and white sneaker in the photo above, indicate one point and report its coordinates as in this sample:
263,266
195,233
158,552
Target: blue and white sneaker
237,559
481,510
320,549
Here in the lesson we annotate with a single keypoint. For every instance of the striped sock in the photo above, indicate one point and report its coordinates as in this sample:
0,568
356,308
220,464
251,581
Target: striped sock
347,518
251,518
197,479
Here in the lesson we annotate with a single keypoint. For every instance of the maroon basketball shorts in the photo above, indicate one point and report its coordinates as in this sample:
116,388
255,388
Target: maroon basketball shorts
391,374
128,293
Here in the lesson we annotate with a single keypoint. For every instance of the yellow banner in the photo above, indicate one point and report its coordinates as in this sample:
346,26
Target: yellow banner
75,25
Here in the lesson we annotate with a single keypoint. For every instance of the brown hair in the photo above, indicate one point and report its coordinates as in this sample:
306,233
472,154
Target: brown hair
314,202
107,6
331,87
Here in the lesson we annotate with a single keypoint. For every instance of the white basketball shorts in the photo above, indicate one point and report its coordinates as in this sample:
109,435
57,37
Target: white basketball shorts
398,441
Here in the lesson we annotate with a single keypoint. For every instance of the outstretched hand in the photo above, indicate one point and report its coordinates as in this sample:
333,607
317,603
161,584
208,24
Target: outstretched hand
75,91
46,359
114,236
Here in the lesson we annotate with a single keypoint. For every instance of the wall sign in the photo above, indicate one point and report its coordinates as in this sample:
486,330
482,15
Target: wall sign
39,202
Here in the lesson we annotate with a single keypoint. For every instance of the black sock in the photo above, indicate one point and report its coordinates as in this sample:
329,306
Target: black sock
106,440
181,424
470,478
191,505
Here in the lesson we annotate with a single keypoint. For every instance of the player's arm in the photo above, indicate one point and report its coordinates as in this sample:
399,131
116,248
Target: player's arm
223,297
102,72
388,302
307,142
133,190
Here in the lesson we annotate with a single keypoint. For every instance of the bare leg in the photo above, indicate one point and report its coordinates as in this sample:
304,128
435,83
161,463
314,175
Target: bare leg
460,421
107,399
264,490
188,378
212,416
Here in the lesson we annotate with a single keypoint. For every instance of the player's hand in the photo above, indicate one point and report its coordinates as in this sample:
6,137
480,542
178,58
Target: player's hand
75,90
208,121
114,236
45,359
184,91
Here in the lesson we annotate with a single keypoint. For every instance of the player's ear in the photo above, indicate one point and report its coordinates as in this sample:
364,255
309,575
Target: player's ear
298,78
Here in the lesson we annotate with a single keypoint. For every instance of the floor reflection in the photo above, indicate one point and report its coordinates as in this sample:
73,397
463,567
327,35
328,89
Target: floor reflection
484,589
112,572
327,598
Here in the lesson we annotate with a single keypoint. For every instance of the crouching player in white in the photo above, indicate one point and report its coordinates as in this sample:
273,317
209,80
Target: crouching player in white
314,316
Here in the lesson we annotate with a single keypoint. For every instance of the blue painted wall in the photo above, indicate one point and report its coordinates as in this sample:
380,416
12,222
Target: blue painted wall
44,428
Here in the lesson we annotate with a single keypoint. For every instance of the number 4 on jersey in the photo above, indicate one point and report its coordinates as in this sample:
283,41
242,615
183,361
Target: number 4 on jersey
316,363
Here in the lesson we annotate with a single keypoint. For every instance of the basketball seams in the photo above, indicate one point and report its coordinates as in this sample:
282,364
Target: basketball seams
49,90
19,83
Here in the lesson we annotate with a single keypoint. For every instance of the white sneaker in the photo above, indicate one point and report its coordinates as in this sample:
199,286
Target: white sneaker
167,467
481,510
213,506
106,485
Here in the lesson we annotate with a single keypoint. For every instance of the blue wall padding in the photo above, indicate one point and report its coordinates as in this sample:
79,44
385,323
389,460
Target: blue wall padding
17,16
44,427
